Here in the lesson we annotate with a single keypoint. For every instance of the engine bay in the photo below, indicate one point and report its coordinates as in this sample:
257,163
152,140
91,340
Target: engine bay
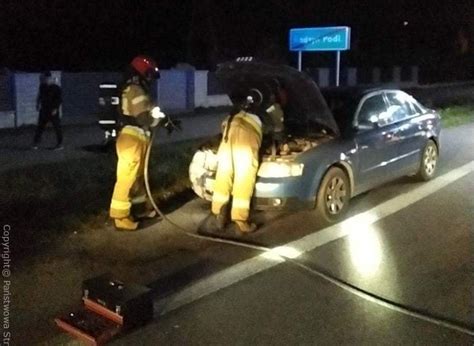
285,149
290,147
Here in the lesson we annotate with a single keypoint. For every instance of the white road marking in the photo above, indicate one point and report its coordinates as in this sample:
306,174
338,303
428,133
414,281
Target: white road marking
255,265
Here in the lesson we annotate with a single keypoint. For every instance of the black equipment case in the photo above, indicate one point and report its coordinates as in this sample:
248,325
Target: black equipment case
109,308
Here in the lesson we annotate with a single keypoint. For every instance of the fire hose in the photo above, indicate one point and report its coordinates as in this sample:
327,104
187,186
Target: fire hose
346,286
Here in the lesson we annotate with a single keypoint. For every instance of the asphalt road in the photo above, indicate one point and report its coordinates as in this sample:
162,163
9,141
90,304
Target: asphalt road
406,241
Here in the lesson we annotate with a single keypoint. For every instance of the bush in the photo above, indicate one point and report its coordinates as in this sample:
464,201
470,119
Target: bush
457,115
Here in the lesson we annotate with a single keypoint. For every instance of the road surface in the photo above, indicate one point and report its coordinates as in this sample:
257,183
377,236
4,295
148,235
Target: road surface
419,256
408,242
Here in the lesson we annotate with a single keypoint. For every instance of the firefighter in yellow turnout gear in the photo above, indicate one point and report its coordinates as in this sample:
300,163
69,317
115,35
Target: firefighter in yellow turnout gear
138,116
238,165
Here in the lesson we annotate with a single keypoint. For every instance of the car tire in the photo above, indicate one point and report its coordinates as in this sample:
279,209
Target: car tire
332,200
429,162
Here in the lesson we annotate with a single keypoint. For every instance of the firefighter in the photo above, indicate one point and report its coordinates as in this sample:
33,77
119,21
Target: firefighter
238,165
138,115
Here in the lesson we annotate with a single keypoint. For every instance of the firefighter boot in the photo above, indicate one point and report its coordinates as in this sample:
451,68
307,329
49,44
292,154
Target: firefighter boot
245,227
222,219
209,225
126,224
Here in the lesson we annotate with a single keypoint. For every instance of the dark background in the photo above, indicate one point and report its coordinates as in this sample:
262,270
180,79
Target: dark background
105,35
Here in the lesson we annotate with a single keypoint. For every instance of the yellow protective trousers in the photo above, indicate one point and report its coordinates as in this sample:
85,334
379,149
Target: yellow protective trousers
237,167
132,144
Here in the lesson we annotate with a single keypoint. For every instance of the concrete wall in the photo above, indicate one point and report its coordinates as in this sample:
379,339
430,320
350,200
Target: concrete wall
26,91
200,88
203,97
218,101
7,119
172,90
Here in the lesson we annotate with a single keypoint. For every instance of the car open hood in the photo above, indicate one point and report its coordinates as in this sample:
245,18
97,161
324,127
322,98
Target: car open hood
306,105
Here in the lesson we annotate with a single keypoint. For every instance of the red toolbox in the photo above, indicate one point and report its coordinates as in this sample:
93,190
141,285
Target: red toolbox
109,308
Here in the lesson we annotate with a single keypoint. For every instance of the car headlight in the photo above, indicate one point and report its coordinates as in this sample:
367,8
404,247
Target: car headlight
266,187
280,169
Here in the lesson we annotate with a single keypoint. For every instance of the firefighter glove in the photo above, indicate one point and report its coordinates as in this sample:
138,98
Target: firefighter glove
156,113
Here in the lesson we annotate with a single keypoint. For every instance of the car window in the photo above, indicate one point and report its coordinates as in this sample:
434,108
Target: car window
373,109
400,107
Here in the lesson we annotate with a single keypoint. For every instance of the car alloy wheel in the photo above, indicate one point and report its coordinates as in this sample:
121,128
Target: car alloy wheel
335,195
429,161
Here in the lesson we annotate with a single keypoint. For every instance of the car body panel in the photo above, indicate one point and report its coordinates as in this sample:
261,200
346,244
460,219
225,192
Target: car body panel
377,157
317,161
409,130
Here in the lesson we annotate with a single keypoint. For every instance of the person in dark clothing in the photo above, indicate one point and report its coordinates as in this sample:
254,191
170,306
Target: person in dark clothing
47,103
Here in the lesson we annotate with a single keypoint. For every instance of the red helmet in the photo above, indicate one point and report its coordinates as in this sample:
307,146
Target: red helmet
146,67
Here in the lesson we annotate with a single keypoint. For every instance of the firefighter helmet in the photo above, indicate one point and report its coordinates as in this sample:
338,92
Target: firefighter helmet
146,67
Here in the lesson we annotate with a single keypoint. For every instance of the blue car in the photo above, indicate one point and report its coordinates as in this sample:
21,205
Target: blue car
338,143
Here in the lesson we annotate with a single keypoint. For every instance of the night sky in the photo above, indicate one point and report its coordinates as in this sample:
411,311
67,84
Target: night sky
105,35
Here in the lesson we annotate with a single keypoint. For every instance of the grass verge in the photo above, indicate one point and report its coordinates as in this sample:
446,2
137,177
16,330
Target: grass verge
457,115
43,202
